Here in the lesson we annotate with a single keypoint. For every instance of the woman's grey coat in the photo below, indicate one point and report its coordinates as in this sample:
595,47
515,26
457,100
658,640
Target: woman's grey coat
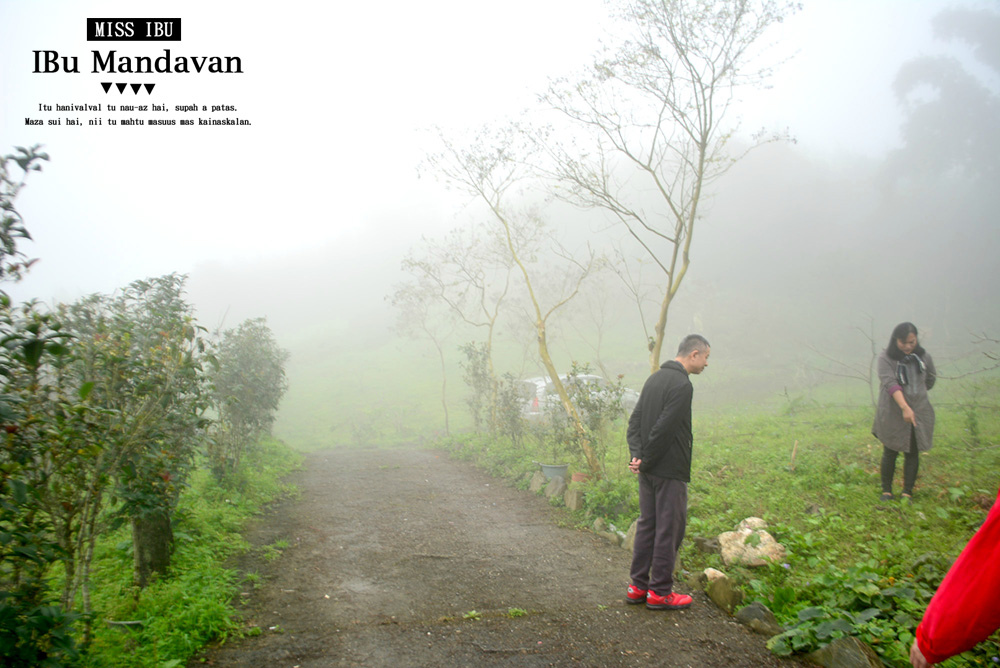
889,426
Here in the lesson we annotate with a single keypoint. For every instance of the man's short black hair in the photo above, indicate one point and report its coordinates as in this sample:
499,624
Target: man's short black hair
692,342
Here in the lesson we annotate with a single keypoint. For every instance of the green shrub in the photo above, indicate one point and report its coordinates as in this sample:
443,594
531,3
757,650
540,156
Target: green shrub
616,500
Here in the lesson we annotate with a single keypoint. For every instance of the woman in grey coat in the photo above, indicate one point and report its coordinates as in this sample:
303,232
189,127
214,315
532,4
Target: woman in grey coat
904,419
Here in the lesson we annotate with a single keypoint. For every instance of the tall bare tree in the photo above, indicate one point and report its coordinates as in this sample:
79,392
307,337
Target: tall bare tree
491,168
862,369
651,126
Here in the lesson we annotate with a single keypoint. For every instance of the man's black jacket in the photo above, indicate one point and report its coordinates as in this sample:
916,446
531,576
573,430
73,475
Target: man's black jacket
659,430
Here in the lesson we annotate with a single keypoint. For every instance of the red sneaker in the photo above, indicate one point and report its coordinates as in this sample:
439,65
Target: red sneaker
634,595
672,601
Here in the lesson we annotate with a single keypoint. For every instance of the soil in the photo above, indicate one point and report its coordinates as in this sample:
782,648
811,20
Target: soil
404,557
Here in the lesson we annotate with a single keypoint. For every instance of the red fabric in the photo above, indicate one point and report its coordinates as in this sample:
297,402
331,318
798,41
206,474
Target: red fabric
965,609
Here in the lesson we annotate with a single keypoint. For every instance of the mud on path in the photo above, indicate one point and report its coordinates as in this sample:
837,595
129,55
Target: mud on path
391,549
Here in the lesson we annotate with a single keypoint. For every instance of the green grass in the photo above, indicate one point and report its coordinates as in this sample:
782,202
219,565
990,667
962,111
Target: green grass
273,552
373,395
822,504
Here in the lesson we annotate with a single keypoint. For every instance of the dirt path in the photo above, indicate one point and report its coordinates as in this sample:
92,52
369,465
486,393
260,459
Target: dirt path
390,549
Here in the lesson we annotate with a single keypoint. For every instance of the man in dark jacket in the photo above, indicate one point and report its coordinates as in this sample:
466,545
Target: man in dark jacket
659,441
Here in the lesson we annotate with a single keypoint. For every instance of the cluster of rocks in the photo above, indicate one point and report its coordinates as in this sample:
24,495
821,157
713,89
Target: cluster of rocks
556,487
749,545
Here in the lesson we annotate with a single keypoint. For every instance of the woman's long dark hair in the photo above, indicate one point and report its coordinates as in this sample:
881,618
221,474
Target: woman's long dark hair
903,330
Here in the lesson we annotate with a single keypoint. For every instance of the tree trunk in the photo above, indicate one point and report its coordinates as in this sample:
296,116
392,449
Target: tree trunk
660,331
593,463
444,384
152,540
494,386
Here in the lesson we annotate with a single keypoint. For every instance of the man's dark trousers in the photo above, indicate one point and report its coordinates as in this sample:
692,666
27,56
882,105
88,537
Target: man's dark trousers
659,532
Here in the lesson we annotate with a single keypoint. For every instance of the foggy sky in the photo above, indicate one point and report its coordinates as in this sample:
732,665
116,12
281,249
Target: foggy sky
339,99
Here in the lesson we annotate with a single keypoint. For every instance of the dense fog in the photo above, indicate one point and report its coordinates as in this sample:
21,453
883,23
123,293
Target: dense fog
805,254
802,262
798,263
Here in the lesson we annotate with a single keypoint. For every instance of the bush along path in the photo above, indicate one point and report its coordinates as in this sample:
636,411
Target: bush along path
404,557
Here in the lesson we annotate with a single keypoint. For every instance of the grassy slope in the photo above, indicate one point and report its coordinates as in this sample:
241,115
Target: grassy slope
846,551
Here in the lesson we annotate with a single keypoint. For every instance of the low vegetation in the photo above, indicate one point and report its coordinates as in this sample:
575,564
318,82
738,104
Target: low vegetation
176,615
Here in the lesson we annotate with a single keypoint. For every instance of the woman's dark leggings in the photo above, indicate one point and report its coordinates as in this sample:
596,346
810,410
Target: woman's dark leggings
911,464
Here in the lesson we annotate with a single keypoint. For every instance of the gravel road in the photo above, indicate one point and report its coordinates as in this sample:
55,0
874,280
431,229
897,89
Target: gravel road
404,557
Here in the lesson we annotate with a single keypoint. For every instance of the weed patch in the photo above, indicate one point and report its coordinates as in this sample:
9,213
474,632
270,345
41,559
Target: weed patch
177,615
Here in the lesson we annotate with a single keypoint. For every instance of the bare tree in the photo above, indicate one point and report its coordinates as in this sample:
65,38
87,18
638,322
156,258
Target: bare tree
652,116
637,289
491,168
418,305
992,353
865,372
470,272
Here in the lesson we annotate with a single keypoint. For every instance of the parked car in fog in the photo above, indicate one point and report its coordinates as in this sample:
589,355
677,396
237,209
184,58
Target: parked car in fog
540,396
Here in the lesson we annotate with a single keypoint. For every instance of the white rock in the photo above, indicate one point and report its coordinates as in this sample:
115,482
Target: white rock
752,523
750,545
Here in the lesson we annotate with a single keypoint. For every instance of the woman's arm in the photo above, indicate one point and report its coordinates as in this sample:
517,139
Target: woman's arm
908,415
890,385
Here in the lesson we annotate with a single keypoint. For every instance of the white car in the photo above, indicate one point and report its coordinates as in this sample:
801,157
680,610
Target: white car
540,394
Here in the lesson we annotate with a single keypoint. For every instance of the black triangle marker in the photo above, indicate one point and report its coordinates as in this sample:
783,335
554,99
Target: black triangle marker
121,87
106,86
135,88
149,88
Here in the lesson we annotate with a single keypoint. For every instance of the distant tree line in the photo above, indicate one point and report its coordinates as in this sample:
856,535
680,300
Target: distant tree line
107,406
